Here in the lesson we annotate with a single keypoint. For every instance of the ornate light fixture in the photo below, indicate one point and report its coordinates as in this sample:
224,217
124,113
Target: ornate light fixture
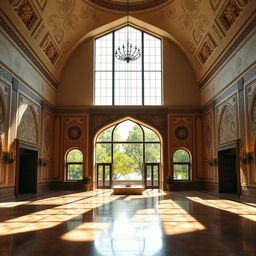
127,52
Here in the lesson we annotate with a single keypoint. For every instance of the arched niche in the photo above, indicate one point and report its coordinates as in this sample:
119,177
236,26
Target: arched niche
28,128
228,128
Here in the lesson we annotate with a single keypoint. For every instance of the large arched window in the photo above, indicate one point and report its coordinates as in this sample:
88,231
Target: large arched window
181,165
74,165
138,82
132,150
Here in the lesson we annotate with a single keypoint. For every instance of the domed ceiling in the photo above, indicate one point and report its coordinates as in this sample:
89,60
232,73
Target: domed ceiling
51,29
130,5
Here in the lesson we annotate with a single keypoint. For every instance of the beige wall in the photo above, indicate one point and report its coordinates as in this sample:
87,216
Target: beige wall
76,84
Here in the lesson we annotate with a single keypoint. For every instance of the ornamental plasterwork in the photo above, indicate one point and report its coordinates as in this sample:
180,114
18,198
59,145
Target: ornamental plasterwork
27,13
74,130
208,134
48,133
228,128
27,128
181,130
2,114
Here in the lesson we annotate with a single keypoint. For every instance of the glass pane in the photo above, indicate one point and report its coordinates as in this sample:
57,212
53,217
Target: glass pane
100,175
127,162
181,155
75,171
105,135
107,175
128,131
103,153
152,152
150,135
148,175
75,155
155,176
181,171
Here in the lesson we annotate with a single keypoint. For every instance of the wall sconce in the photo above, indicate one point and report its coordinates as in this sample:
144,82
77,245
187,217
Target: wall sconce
212,162
8,157
43,162
247,157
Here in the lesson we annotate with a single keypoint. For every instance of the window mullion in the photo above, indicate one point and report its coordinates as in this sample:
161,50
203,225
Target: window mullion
142,66
113,68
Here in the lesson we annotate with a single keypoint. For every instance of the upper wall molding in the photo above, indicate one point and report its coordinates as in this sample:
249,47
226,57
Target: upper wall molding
229,52
26,51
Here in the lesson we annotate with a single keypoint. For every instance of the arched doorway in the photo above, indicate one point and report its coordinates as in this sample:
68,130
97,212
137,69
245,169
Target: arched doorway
128,153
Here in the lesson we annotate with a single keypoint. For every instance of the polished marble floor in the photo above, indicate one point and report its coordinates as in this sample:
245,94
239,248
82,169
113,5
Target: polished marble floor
155,223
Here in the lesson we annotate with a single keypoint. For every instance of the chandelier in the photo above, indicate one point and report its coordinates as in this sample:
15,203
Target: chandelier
127,52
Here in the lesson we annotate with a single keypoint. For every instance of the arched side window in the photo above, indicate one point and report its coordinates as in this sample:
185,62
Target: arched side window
181,165
74,165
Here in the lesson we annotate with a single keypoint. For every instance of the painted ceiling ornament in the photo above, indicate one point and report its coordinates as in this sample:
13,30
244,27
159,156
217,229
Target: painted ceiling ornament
65,7
55,26
70,22
181,132
185,22
191,7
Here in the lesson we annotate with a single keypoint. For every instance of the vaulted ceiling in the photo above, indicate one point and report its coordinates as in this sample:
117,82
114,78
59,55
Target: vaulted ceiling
203,29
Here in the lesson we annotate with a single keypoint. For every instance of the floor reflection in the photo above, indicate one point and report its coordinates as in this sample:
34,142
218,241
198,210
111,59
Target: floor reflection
98,223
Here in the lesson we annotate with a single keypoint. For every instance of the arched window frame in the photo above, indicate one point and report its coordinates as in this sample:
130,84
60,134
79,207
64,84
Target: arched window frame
73,163
188,164
144,142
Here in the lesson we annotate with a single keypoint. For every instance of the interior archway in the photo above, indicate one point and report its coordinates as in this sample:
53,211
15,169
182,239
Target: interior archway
128,153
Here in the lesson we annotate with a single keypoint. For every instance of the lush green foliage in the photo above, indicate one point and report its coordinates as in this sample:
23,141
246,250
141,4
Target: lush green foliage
128,157
74,165
181,170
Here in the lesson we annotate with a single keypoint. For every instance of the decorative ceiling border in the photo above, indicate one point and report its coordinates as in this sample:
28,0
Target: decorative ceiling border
233,47
26,51
132,6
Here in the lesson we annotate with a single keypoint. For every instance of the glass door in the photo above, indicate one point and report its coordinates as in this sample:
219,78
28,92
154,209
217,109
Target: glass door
104,175
152,175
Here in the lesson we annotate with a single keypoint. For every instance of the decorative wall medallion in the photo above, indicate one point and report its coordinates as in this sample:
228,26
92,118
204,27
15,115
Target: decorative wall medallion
74,132
228,126
27,13
181,132
191,7
230,14
170,12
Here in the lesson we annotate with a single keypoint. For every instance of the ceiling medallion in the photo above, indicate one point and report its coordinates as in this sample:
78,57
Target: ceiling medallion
181,133
119,5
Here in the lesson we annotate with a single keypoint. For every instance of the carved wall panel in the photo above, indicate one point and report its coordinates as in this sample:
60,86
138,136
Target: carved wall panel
75,130
181,130
27,128
228,127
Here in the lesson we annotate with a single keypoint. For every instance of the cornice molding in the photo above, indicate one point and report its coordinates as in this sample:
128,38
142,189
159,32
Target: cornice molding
228,53
8,30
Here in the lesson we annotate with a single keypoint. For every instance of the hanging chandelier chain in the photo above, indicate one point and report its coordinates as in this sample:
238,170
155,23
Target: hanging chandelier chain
128,52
